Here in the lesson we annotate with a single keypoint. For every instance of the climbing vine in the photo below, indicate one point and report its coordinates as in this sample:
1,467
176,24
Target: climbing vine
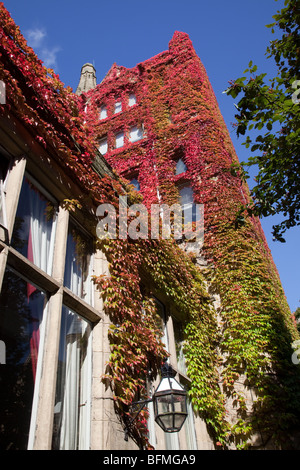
238,341
246,337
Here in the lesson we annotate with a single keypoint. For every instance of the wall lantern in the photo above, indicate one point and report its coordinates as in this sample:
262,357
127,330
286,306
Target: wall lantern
169,401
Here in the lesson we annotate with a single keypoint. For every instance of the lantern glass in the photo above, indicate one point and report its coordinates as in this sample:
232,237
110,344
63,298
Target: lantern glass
170,405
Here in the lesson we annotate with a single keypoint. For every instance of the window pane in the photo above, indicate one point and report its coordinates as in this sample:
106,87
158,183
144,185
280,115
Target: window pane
2,205
135,183
136,133
103,112
78,264
180,167
3,173
186,195
190,210
131,100
118,107
22,306
161,318
103,146
179,343
119,140
72,402
34,227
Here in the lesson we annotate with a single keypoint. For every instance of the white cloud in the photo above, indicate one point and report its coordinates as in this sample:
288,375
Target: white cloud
49,57
36,38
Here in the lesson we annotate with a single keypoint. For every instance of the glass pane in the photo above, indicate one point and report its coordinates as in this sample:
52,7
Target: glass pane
118,107
119,140
164,405
3,172
180,167
136,133
34,227
161,322
186,195
78,264
135,183
179,343
167,421
103,112
179,420
2,205
103,146
131,99
71,411
179,404
22,306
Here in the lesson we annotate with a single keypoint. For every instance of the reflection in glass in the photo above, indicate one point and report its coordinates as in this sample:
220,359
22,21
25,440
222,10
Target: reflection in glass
22,306
72,403
78,262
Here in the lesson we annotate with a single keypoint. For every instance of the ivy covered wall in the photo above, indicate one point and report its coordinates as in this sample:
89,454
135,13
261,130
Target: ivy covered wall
248,337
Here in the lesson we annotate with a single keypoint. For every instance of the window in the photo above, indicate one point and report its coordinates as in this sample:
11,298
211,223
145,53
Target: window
103,112
136,133
173,339
78,262
119,139
187,203
118,107
22,321
131,99
29,296
180,167
71,411
103,146
3,173
34,228
179,343
135,183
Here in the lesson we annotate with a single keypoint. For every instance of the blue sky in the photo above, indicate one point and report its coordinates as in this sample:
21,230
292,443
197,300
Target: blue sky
226,35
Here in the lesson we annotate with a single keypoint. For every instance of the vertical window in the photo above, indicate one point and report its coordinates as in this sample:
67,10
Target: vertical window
118,107
22,319
135,134
72,402
34,228
103,146
179,343
180,167
78,264
187,203
3,173
103,112
160,309
119,139
131,99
